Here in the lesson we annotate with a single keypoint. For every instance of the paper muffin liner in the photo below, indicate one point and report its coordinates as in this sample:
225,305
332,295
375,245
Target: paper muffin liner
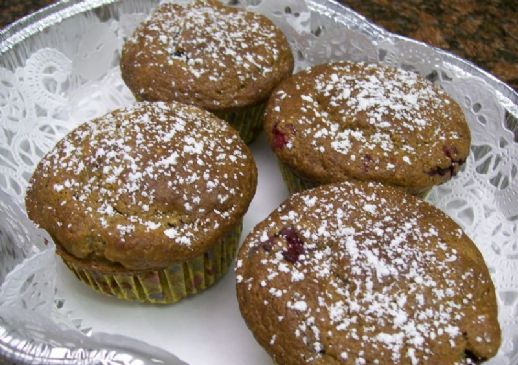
423,194
295,183
161,286
247,121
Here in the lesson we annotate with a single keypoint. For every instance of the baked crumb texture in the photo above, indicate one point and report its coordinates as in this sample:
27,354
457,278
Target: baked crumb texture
367,122
144,186
359,273
146,202
223,59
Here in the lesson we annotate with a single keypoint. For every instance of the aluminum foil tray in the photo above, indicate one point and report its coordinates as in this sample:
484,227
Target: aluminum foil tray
59,67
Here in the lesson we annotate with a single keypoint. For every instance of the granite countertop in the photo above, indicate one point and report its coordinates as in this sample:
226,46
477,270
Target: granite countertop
484,32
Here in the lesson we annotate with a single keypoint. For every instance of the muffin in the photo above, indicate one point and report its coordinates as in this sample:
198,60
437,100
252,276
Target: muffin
341,274
146,203
222,59
345,120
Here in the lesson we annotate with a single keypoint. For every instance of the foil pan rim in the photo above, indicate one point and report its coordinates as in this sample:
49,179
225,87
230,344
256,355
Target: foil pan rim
34,23
14,349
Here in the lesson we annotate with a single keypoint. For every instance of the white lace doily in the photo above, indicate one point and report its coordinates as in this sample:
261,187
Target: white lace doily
51,82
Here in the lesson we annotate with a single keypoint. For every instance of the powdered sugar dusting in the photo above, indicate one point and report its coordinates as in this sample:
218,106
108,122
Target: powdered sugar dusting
144,168
381,282
226,48
375,116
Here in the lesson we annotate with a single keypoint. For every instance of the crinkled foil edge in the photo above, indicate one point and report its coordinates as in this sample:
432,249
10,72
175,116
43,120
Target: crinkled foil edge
121,350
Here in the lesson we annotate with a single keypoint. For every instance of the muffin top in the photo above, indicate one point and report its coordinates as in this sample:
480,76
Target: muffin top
358,273
367,122
207,54
143,186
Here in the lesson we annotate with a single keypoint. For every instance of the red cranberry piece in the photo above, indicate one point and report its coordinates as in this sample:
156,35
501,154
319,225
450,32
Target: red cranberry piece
290,255
450,170
449,151
279,138
295,244
267,245
440,171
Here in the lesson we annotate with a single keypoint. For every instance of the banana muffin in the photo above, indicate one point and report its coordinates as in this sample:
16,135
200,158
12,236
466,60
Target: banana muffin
223,59
362,121
146,202
341,274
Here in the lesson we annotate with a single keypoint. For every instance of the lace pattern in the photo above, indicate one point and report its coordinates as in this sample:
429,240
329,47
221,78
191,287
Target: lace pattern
71,75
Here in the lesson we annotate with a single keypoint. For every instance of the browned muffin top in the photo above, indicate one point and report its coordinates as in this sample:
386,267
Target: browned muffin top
207,54
368,122
358,273
143,186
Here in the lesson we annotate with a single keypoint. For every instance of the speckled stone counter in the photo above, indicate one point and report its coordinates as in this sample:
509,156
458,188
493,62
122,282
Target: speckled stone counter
484,32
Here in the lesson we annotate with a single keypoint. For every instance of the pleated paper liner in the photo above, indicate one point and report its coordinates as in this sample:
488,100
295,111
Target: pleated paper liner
247,121
161,286
295,183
